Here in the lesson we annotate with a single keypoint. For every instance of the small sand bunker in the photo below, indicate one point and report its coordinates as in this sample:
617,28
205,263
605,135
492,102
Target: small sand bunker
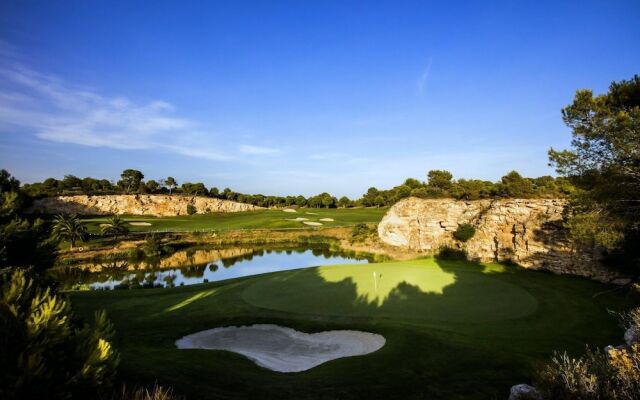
310,213
140,223
312,223
289,210
284,349
326,219
297,219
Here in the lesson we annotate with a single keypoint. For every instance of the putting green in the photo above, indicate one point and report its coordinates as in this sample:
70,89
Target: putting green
424,289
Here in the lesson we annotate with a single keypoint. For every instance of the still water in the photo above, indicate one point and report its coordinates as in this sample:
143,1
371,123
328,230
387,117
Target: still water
190,267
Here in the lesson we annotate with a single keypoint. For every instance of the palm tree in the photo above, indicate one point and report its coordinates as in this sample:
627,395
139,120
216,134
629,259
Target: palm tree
116,227
69,227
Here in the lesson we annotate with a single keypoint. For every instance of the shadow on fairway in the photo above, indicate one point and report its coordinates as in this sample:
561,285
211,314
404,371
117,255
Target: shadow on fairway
443,290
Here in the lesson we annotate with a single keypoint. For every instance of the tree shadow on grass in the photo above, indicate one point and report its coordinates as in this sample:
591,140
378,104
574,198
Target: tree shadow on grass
437,290
454,329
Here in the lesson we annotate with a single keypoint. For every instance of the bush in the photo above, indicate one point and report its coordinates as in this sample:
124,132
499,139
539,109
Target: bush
191,209
464,232
359,229
613,374
141,393
596,375
46,353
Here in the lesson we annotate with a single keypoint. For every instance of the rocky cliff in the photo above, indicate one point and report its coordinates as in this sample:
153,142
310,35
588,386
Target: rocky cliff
153,205
526,231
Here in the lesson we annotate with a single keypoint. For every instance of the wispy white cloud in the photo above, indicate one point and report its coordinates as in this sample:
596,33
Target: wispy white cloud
56,111
325,156
421,83
258,150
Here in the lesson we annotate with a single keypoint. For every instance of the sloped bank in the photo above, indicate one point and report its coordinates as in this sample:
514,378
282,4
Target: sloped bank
525,231
136,204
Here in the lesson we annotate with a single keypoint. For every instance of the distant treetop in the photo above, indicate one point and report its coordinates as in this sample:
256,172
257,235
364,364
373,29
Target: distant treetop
439,184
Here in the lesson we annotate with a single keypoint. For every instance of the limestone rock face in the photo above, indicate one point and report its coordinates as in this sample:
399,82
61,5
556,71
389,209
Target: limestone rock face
525,231
141,204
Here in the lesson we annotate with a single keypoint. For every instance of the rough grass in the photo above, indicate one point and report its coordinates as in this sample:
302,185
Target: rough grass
454,329
261,219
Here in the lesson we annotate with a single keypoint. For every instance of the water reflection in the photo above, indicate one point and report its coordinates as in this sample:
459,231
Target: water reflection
193,266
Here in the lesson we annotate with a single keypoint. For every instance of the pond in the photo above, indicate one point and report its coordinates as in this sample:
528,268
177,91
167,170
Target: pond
192,266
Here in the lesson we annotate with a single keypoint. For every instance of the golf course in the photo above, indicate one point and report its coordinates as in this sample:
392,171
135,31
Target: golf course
261,219
453,329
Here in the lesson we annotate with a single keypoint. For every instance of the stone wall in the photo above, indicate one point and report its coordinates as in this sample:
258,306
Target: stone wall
142,204
526,231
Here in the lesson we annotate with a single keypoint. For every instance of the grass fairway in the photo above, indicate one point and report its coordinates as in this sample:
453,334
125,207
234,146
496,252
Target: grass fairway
262,219
454,329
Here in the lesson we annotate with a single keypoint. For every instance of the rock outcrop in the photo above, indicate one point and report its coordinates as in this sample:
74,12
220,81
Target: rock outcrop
525,231
141,204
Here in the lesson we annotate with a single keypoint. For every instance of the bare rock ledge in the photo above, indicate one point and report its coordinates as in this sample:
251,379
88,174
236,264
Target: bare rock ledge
141,204
525,231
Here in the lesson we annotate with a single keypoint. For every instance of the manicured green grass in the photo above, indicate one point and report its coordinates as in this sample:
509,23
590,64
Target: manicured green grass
262,219
454,329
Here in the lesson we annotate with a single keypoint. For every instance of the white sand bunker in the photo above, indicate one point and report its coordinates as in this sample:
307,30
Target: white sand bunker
312,223
326,219
140,223
297,219
310,213
284,349
289,210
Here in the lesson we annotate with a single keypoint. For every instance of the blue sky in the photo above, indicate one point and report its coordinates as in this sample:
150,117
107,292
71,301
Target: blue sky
300,97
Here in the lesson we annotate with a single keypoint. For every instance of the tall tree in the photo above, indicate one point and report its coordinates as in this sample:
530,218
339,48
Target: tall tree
439,179
130,180
116,226
69,227
170,183
604,162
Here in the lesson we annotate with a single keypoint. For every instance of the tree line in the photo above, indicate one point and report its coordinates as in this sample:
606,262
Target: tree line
439,184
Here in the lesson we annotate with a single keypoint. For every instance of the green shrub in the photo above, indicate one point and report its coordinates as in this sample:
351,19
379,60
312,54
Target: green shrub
191,209
359,229
464,232
46,353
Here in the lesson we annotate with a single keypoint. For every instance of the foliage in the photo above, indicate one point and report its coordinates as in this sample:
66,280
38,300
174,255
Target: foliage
359,229
26,244
440,185
464,232
69,227
116,226
191,209
440,179
170,183
596,375
23,242
194,189
46,353
142,393
604,163
361,232
131,180
514,185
